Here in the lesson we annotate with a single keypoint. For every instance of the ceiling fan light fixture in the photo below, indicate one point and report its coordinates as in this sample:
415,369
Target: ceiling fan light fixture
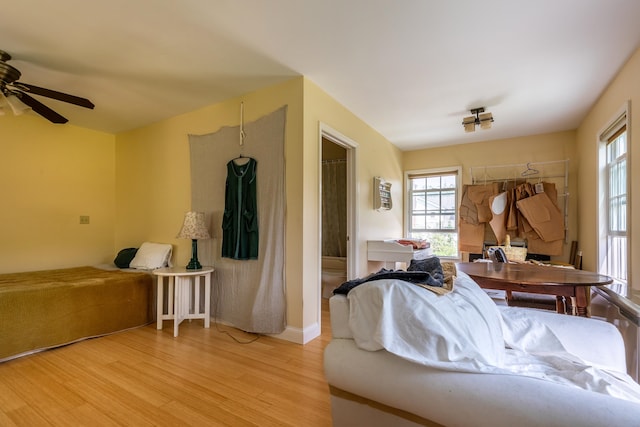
16,95
12,102
3,101
18,107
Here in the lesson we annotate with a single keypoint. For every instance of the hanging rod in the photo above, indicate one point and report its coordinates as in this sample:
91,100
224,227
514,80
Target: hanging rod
525,166
521,165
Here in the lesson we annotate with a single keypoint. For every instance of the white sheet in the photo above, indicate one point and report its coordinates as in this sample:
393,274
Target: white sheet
464,331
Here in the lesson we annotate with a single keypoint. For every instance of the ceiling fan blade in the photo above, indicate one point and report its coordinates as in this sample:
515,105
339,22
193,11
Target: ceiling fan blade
71,99
40,108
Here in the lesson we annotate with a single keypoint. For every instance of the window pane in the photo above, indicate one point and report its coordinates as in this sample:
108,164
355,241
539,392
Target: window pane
433,222
449,222
442,244
448,200
418,202
617,257
613,216
433,202
618,215
418,222
433,182
418,183
449,181
622,141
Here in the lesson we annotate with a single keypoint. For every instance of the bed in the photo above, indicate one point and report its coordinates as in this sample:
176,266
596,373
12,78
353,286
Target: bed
45,309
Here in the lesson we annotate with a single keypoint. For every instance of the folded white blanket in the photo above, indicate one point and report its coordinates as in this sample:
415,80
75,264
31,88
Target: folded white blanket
464,331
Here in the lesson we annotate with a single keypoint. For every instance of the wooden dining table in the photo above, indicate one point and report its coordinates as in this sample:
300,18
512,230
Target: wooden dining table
537,279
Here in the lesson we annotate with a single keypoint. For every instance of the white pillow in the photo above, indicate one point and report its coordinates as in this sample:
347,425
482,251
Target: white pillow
460,330
151,256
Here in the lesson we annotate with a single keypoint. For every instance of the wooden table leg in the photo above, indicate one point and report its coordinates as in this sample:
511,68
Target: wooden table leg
581,303
159,302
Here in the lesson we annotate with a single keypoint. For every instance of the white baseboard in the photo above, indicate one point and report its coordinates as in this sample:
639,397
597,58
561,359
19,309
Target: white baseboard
295,335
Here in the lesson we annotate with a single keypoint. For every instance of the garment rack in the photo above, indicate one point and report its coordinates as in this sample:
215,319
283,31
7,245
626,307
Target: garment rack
556,171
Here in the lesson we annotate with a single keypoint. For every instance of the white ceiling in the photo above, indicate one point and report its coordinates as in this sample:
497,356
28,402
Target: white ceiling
409,68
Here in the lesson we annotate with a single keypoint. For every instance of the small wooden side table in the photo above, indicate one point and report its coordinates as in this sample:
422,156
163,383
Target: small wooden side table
183,295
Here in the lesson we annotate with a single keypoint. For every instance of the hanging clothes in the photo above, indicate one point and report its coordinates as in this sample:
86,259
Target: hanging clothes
468,210
498,205
474,213
512,214
521,192
240,220
480,195
546,234
543,216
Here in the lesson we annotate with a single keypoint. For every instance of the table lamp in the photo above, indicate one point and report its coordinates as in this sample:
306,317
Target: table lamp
194,228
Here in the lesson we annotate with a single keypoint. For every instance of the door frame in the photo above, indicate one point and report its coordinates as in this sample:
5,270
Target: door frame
351,146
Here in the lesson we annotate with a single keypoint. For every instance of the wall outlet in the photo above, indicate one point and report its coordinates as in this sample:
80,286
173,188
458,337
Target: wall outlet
84,219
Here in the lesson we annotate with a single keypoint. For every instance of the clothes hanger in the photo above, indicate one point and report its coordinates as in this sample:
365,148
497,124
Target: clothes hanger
530,171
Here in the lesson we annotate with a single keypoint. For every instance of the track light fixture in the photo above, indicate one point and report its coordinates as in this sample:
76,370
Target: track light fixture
481,118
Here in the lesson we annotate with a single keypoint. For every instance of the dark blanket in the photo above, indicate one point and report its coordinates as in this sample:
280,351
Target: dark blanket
432,277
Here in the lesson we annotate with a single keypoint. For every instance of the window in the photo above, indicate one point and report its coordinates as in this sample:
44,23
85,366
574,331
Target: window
614,244
432,209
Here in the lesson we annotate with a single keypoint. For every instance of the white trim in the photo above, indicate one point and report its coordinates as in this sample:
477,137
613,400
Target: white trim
290,333
297,335
352,193
325,131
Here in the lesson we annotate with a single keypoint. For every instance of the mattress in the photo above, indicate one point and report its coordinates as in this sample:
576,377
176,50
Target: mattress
45,309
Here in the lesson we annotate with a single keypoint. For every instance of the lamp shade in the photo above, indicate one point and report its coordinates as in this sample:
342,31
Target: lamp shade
194,227
17,106
485,120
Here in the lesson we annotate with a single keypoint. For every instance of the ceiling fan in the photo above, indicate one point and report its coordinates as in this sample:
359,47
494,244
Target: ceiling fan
11,87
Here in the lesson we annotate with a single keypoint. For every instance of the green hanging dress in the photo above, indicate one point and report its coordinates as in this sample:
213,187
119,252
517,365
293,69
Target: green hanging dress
240,220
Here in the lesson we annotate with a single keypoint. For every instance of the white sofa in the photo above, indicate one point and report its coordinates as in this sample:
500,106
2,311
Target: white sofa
378,388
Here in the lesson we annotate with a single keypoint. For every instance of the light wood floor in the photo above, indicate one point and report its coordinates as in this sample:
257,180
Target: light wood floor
146,377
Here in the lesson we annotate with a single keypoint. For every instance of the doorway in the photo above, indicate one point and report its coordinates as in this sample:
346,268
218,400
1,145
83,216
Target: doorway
334,217
338,215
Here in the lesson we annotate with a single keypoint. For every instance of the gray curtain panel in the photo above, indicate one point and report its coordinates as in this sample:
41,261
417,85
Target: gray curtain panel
248,294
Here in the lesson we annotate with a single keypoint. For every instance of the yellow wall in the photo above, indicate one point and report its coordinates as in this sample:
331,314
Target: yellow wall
135,187
153,181
153,176
625,87
376,156
536,148
52,174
